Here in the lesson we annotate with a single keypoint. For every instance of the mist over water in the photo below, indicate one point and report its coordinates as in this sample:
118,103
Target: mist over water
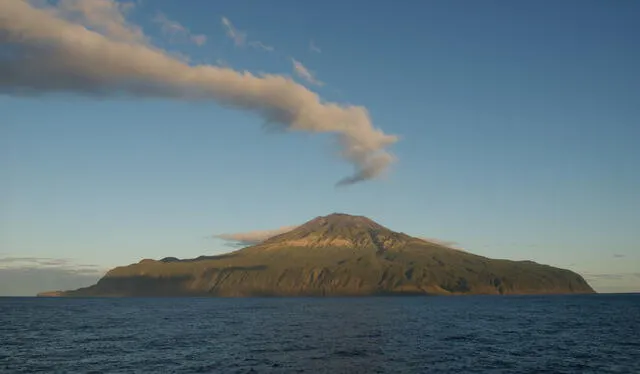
471,334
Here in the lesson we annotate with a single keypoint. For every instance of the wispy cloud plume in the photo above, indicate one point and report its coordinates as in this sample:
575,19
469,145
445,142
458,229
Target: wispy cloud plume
262,46
66,264
238,37
253,237
45,52
175,31
305,74
314,48
445,243
27,276
243,239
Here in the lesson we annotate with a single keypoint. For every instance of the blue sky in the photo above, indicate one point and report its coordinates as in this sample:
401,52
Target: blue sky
518,128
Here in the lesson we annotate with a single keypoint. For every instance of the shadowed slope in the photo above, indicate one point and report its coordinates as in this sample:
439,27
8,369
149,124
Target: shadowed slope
337,254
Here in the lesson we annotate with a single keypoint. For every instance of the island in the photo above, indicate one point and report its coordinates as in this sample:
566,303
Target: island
334,255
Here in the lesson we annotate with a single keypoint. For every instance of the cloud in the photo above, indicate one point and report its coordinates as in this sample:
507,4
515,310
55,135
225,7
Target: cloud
27,276
605,276
253,237
243,239
238,37
46,53
617,255
103,16
314,48
11,260
16,262
175,31
262,46
444,243
301,71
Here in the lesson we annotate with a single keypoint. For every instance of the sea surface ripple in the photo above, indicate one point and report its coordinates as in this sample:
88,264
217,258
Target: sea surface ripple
467,334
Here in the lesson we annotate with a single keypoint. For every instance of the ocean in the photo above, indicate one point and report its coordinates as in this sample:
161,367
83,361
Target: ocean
461,334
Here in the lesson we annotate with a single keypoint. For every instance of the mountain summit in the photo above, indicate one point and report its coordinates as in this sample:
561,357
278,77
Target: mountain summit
337,255
339,230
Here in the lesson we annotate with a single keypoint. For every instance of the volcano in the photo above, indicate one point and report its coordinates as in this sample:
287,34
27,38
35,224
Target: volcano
335,255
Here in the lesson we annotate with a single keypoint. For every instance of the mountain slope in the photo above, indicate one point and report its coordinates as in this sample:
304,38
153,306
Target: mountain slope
336,255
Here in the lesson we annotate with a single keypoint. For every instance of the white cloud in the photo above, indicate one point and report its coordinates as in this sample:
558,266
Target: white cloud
50,53
445,243
301,71
175,31
253,237
66,264
238,37
27,276
261,46
314,48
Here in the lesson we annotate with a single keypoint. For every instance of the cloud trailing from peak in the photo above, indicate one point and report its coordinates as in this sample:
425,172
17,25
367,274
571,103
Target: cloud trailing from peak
445,243
248,238
253,237
88,47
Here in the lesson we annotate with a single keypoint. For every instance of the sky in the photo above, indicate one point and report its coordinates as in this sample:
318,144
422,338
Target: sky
149,129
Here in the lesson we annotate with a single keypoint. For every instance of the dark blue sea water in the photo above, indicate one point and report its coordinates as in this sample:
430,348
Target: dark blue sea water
471,334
